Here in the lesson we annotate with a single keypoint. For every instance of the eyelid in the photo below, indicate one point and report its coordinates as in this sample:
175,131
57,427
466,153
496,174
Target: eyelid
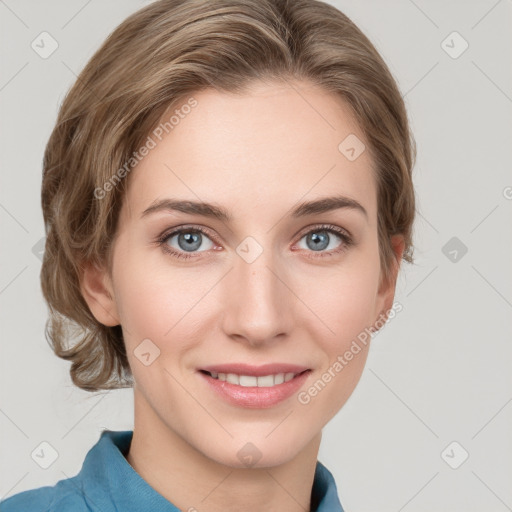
327,227
186,227
168,233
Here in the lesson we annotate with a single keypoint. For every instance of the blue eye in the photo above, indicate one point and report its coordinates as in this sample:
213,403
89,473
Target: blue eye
320,240
324,240
188,240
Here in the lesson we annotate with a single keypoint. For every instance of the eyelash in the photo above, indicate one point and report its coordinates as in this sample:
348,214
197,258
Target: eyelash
330,228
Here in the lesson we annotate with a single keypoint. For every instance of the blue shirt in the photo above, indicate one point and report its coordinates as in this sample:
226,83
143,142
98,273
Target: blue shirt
107,483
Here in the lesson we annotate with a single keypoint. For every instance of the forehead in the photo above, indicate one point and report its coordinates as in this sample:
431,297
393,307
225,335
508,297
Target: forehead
275,145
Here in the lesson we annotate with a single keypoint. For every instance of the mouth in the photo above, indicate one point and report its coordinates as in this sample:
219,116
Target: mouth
255,387
249,381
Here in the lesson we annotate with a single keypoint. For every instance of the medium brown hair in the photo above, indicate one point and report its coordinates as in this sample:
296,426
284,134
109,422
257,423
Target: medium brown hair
158,56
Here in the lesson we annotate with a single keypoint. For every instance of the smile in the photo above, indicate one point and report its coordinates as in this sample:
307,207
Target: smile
258,387
247,381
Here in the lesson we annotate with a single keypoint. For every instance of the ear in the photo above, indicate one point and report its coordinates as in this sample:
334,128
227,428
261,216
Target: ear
97,290
386,293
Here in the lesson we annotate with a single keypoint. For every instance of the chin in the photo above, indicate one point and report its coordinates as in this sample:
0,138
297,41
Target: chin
257,452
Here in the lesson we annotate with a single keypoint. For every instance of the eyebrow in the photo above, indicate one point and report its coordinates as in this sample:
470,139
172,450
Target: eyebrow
322,205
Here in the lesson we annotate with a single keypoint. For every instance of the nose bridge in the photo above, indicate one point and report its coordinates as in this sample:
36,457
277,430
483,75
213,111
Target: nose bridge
258,302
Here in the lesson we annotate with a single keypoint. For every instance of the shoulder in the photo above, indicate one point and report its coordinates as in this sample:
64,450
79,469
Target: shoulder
101,482
64,496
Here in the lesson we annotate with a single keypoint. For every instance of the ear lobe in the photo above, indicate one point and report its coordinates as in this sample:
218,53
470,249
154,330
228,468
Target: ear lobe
387,286
97,290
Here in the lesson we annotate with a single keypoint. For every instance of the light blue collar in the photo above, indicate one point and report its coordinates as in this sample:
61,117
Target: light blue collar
106,472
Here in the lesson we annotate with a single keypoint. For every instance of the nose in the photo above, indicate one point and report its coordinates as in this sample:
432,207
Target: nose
258,302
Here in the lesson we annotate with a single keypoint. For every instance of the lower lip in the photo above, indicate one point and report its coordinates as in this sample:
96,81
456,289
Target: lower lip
255,397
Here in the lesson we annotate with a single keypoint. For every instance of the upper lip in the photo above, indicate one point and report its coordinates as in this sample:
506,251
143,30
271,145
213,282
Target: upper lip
256,371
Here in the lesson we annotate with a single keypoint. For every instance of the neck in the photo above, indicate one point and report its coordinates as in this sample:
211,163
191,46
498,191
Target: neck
193,482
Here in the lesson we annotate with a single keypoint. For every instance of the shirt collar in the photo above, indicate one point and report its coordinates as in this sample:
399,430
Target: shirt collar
110,484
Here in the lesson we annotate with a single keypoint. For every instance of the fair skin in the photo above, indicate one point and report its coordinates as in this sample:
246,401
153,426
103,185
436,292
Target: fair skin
258,155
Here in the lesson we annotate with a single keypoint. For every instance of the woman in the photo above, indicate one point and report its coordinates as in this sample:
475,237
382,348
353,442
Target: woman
227,196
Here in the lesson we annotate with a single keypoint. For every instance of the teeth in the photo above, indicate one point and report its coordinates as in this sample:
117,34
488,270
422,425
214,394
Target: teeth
265,381
248,380
232,378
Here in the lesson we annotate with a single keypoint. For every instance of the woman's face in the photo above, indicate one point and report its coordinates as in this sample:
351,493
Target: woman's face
272,287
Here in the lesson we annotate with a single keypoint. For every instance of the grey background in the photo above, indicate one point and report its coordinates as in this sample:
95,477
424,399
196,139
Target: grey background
439,372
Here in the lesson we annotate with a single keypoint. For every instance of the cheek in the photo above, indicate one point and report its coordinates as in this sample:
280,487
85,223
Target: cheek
161,303
349,308
346,306
344,301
